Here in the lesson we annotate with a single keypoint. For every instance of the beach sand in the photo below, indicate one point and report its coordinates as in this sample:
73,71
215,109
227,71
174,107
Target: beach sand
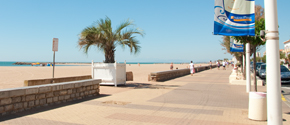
13,77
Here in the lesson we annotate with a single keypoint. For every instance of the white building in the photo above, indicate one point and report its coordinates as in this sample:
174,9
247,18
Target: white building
287,47
258,54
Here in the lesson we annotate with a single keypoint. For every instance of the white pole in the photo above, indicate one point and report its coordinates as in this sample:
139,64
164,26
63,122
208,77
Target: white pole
92,69
53,65
115,80
274,103
243,61
248,73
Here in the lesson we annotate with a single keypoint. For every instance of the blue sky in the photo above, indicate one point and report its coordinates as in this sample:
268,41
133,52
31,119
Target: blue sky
176,31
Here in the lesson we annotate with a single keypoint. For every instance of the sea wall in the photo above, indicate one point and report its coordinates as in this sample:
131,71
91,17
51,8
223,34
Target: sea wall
170,74
25,98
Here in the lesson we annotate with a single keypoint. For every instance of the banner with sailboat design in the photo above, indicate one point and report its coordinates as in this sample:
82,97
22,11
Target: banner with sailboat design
234,17
235,46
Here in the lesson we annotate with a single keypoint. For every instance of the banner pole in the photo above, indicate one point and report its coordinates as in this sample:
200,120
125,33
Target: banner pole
274,102
248,73
53,65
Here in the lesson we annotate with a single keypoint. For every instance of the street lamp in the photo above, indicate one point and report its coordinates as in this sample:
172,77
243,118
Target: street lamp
274,102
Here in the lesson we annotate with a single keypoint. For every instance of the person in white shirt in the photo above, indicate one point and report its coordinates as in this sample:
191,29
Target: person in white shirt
224,65
191,67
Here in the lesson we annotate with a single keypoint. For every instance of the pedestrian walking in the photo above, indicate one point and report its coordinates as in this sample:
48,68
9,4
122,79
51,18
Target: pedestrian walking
224,65
218,65
210,64
191,67
171,66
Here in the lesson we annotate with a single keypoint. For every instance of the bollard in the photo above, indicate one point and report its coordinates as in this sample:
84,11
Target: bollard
257,106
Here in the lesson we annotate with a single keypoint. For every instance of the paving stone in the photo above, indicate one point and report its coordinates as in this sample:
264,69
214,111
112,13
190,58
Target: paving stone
69,91
31,103
49,100
40,96
5,101
8,107
63,92
18,106
16,99
45,89
30,97
33,90
2,109
50,94
42,101
55,99
16,92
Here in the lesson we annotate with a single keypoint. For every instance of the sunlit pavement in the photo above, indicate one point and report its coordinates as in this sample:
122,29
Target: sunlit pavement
206,98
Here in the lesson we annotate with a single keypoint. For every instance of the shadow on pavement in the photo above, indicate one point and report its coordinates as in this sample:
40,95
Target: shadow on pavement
146,86
48,107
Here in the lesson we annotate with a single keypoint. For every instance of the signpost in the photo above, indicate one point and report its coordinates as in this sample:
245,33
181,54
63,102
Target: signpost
54,48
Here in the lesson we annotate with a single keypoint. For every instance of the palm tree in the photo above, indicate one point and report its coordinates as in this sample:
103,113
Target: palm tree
105,39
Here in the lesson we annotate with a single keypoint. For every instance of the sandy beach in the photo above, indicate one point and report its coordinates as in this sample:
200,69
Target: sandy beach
13,77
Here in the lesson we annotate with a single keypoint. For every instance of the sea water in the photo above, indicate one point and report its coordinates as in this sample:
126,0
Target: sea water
10,63
4,63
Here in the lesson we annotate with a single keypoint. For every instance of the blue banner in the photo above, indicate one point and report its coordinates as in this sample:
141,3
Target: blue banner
235,46
234,17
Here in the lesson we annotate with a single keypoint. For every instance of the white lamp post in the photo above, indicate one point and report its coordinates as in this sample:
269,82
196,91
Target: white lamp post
273,65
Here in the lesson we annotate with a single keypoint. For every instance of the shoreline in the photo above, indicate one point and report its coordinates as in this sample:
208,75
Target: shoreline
73,63
14,76
30,63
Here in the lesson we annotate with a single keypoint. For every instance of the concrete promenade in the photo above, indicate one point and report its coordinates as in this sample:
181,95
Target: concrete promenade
206,98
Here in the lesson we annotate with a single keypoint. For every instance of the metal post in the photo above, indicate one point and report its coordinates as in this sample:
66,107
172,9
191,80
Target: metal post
244,61
53,64
248,73
115,80
92,69
274,104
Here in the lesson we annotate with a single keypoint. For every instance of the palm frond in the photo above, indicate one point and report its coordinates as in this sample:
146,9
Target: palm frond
102,36
132,43
122,26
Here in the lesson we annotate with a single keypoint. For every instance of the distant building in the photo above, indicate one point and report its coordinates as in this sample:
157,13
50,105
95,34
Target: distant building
258,54
264,53
287,47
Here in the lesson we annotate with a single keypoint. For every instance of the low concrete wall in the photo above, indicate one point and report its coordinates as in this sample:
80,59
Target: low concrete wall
237,79
24,98
34,82
170,74
129,76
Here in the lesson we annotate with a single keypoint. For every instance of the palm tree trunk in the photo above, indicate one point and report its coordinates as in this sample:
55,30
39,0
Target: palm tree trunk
110,55
254,68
